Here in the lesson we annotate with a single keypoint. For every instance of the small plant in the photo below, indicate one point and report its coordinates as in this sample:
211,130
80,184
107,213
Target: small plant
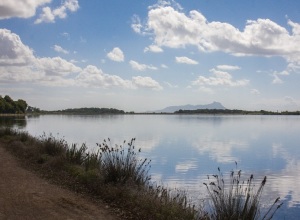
120,164
52,145
238,200
76,155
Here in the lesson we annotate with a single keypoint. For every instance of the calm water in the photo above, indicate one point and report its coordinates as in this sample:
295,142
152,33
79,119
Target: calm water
184,149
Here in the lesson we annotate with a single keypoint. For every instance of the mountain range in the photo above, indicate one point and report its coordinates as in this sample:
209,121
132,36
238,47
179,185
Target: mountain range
171,109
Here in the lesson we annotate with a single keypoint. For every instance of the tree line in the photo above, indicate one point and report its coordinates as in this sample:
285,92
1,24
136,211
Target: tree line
9,106
234,112
92,111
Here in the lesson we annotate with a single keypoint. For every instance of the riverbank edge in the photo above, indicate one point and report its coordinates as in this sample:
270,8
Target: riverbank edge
127,201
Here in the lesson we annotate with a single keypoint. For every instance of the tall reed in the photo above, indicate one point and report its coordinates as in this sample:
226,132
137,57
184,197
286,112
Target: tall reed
237,200
121,163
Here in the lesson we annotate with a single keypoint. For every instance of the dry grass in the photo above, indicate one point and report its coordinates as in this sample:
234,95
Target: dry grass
236,200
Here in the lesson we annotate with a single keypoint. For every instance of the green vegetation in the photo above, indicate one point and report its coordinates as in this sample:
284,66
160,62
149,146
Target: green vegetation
87,111
9,106
234,112
117,175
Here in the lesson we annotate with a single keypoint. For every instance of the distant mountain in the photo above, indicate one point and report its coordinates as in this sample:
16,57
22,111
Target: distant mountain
171,109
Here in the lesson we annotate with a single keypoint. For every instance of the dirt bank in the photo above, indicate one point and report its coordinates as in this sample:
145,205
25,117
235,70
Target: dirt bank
24,195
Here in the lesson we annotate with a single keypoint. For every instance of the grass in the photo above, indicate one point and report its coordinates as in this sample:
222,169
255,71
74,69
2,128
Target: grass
118,175
237,200
121,164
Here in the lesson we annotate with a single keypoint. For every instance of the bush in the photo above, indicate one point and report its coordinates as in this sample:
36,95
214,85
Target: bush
53,146
237,200
119,165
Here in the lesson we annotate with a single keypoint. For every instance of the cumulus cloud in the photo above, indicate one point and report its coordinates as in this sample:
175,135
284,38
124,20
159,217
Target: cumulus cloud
186,60
18,64
146,82
12,50
21,9
116,55
56,66
219,78
171,27
228,67
92,76
49,15
59,49
154,49
276,78
136,24
141,67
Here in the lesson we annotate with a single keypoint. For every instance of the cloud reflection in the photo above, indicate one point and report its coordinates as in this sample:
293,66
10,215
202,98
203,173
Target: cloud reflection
286,182
185,166
220,151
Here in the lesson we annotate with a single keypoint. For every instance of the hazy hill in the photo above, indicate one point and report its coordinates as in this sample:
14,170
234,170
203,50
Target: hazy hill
171,109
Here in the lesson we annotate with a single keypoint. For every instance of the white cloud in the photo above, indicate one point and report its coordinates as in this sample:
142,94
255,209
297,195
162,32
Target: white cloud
21,9
255,92
219,78
146,82
277,79
116,55
154,49
92,76
48,15
12,50
205,90
18,64
57,66
59,49
141,67
186,60
164,66
172,28
228,67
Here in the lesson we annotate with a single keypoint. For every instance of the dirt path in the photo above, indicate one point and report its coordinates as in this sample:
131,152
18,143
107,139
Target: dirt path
23,195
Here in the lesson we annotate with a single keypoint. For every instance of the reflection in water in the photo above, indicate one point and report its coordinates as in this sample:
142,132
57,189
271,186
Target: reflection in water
218,150
13,121
287,181
185,148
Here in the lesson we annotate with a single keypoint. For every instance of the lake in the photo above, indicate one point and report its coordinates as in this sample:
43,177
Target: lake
186,148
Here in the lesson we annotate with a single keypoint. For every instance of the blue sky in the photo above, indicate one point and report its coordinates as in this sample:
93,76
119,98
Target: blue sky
142,55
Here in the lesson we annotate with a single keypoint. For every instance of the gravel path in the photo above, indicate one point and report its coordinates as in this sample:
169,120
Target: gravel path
24,195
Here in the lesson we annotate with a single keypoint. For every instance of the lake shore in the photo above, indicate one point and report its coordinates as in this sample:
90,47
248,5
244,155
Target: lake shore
25,195
104,179
47,161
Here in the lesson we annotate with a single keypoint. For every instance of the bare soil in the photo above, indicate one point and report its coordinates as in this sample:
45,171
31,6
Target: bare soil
24,195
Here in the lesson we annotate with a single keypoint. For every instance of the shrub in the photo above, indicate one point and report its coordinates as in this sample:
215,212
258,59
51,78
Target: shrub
119,165
76,155
238,200
53,146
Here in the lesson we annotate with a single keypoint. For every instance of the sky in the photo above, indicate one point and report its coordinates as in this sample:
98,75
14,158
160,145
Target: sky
144,55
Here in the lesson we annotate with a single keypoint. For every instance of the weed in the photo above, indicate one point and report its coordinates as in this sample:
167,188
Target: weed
52,145
238,200
120,164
